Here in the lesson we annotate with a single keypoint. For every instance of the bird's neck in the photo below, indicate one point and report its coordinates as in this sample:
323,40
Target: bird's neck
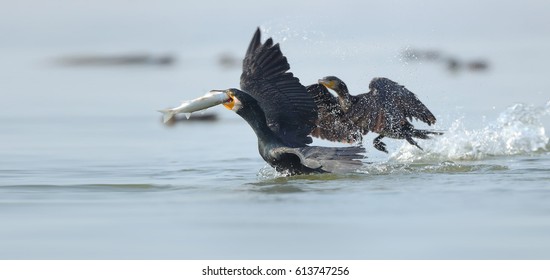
344,99
267,139
258,123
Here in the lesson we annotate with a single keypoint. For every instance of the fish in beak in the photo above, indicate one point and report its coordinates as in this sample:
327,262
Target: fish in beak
210,99
233,104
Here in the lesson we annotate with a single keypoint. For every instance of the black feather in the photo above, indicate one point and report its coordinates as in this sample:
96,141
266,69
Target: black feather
289,110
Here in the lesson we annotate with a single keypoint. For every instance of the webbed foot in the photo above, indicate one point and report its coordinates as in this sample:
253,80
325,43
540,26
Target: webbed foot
412,142
379,145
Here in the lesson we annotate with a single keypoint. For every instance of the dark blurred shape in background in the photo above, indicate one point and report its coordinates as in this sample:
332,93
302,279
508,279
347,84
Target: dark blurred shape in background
451,62
200,117
229,61
118,60
426,55
478,65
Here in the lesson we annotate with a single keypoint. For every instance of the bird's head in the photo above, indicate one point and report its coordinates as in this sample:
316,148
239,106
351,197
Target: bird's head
233,102
334,83
245,106
240,102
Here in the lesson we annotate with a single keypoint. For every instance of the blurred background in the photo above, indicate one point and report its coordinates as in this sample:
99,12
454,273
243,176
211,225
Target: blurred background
88,170
71,58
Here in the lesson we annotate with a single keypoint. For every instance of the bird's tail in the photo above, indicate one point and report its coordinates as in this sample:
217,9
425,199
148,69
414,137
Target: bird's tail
424,133
334,159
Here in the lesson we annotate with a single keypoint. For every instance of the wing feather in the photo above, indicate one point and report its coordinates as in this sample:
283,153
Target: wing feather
332,123
289,110
388,106
397,102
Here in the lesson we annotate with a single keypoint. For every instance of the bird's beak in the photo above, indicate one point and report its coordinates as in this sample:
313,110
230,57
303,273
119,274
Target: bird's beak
230,102
327,83
233,103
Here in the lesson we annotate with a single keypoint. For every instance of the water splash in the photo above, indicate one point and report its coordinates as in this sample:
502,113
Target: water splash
267,172
518,130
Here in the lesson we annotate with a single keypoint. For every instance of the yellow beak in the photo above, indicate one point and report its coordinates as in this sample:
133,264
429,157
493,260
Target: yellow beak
326,83
229,104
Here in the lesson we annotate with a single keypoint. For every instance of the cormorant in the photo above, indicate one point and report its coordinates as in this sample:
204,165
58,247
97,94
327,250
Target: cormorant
282,114
386,109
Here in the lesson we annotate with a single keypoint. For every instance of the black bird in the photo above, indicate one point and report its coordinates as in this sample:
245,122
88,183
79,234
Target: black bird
386,109
283,114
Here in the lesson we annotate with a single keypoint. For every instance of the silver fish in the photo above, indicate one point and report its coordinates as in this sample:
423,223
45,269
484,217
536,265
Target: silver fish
210,99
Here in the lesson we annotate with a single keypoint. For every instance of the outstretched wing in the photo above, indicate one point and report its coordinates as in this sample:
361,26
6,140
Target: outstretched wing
290,111
390,105
332,123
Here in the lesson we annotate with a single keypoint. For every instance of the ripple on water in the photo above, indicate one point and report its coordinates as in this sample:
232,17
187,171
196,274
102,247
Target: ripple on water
89,187
442,167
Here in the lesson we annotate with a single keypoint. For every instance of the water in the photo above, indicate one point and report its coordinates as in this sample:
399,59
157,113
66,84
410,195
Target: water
88,171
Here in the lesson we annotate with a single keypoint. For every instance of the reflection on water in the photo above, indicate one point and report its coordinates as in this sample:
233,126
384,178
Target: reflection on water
448,167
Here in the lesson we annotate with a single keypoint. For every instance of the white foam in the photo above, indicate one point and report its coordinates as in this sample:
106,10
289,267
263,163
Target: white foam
267,172
518,130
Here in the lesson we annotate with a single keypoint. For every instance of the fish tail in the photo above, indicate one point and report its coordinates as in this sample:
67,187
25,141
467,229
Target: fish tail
167,114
